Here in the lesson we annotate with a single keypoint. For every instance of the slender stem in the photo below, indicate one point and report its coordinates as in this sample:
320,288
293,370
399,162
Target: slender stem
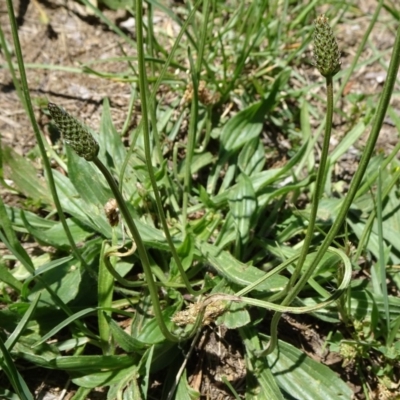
129,114
366,155
147,146
190,142
146,262
26,100
319,188
194,114
105,291
140,248
349,71
150,35
381,262
154,130
363,241
355,184
161,76
11,68
319,184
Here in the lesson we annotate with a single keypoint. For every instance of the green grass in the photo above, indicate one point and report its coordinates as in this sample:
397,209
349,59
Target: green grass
227,212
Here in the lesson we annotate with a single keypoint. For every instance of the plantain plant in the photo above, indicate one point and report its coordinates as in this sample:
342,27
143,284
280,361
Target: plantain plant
172,252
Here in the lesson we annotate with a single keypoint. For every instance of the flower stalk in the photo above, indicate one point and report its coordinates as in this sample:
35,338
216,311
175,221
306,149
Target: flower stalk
327,61
82,142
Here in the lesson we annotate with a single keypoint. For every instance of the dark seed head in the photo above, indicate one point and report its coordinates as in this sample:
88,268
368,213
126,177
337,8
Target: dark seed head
326,50
74,132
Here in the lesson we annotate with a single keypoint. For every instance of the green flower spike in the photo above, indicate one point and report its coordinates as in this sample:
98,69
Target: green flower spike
75,133
326,50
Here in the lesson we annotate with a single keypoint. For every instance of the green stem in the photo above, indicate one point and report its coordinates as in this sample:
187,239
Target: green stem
26,100
366,155
145,261
319,184
190,144
27,103
363,241
105,290
194,114
348,74
140,248
161,76
319,188
128,118
355,184
11,68
147,146
150,35
381,262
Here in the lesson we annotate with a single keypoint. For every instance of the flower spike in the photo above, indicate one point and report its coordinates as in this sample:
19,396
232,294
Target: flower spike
75,133
326,50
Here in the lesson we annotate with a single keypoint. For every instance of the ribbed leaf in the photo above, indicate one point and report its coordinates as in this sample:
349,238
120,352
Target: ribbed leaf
242,204
25,177
299,375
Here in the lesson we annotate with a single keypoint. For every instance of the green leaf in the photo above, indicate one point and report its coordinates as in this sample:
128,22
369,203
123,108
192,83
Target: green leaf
297,373
244,126
362,305
15,378
391,225
41,355
63,280
103,378
262,180
252,157
112,149
151,333
6,278
247,124
85,364
11,241
184,391
125,341
8,395
88,214
117,4
88,181
236,272
56,236
236,316
199,161
25,177
261,384
243,203
145,370
186,253
22,325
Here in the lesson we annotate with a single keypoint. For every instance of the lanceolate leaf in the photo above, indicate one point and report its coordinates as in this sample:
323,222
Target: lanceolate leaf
112,149
25,177
247,124
243,203
237,272
299,375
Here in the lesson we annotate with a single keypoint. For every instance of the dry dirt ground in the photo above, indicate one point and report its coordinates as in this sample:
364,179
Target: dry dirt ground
58,37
